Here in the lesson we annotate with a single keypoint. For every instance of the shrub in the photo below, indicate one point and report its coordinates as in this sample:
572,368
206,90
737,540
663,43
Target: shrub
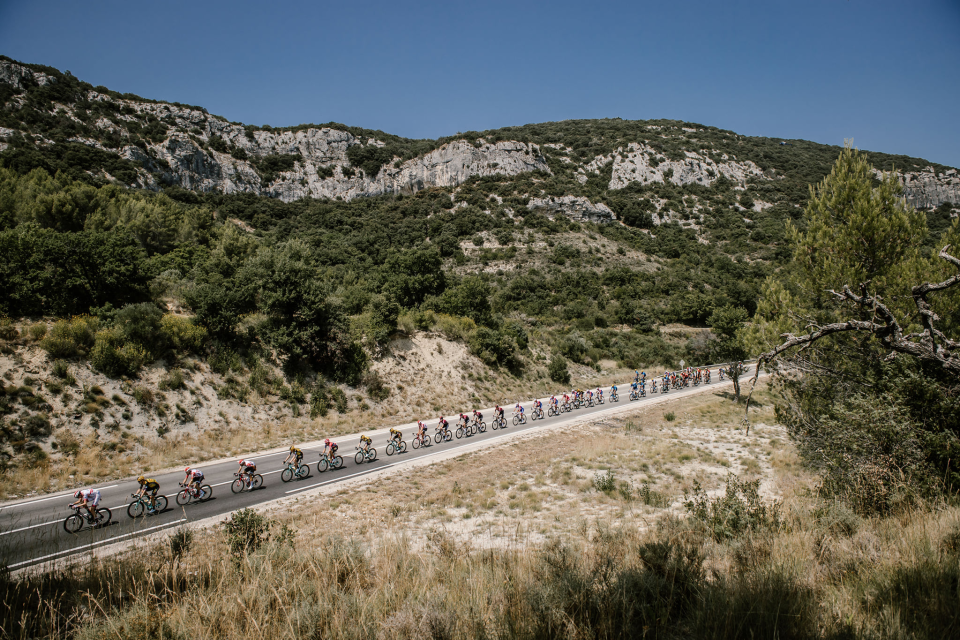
558,369
574,346
737,511
180,542
114,357
339,399
8,330
37,331
225,360
141,324
669,416
67,442
375,387
319,402
604,481
61,369
246,532
455,327
70,338
494,347
173,380
181,334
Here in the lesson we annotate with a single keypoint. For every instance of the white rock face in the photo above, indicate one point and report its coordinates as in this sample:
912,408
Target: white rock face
575,207
19,76
927,189
643,164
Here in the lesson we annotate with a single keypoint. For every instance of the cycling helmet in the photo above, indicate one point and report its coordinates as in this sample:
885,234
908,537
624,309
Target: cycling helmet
293,448
187,470
78,494
141,479
327,441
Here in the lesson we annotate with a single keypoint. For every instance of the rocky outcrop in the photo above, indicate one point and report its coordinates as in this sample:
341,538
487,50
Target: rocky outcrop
643,164
928,189
577,208
19,77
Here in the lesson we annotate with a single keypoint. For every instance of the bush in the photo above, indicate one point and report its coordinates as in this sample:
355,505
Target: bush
181,334
339,399
454,327
37,331
558,369
70,338
739,510
141,324
574,346
8,330
495,348
246,532
61,369
115,357
604,481
375,387
173,380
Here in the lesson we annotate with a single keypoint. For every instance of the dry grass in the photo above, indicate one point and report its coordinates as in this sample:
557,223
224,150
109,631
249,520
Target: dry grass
516,542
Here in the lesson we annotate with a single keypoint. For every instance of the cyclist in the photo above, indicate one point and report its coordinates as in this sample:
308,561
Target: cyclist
193,478
613,391
566,400
421,430
537,405
329,449
295,456
365,442
463,421
477,418
599,393
554,402
149,488
643,376
89,499
633,385
653,385
395,435
498,413
443,426
248,468
589,396
518,410
636,375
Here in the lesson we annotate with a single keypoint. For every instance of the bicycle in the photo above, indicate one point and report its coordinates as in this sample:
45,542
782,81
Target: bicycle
394,447
614,397
600,400
479,426
442,435
368,455
464,430
519,418
246,483
326,463
499,423
190,493
141,505
421,441
292,471
74,522
536,414
553,411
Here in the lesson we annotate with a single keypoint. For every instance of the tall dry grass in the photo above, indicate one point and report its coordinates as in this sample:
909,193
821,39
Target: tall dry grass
827,574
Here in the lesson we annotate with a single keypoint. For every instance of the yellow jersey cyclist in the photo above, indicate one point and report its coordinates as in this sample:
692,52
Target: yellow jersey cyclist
395,435
295,456
365,443
148,489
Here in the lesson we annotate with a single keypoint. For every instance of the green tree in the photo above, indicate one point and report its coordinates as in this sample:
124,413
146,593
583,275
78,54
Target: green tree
413,275
853,386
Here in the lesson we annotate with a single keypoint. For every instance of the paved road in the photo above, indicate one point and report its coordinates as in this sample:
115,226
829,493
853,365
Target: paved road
32,531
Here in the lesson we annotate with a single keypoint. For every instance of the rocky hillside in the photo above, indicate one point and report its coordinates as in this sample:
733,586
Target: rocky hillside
152,145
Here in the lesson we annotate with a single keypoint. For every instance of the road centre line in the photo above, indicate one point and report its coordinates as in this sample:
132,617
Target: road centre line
74,550
61,495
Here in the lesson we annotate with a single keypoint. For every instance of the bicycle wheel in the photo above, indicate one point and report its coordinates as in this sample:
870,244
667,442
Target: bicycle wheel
390,448
358,458
337,462
184,497
287,475
416,443
496,424
516,420
303,471
438,437
373,454
533,415
402,446
483,427
104,516
136,509
237,485
160,504
459,432
322,465
256,482
73,523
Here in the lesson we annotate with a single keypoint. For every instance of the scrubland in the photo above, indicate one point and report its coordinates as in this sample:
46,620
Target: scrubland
592,531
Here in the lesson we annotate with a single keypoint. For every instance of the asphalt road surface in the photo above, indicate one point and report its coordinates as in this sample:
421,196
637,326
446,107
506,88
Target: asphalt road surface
32,531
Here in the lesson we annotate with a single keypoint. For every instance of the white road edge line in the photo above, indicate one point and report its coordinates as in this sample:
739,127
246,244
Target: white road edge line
63,495
93,544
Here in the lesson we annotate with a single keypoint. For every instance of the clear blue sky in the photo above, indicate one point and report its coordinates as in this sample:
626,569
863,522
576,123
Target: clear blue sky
886,73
